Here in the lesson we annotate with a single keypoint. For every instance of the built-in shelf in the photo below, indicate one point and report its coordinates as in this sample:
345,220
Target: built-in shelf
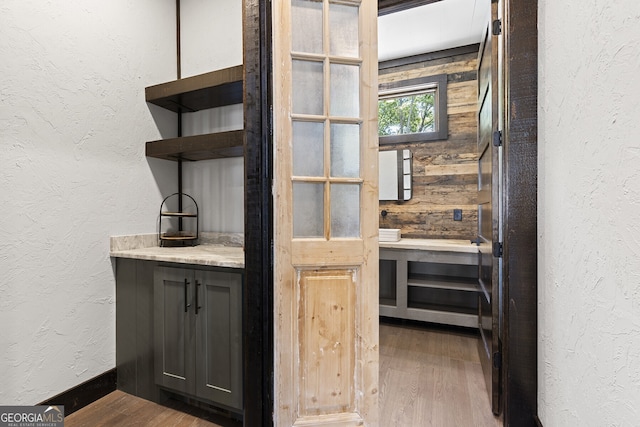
208,90
437,286
198,147
388,301
446,308
214,89
452,283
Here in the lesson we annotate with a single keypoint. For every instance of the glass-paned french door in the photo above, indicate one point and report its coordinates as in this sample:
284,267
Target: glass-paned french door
325,199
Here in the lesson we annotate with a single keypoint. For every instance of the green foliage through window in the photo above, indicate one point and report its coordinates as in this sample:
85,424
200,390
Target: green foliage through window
407,113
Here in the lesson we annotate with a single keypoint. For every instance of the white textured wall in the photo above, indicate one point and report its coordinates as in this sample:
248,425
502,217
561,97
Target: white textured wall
589,213
73,123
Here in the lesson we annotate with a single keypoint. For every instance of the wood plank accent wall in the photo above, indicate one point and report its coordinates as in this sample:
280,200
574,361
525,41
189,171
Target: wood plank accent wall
444,172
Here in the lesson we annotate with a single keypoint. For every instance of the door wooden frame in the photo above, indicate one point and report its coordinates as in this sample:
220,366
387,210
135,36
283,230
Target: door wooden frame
520,334
520,215
258,212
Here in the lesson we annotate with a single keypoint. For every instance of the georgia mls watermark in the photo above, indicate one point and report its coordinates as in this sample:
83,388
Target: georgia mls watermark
32,416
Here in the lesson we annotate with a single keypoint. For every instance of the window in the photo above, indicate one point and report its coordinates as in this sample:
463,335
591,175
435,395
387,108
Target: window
413,110
400,114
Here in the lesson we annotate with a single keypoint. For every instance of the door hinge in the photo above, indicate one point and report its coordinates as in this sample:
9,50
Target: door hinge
497,360
270,120
497,249
496,27
497,138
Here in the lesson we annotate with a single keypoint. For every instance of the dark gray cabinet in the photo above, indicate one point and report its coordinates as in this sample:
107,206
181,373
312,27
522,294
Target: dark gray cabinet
134,328
198,333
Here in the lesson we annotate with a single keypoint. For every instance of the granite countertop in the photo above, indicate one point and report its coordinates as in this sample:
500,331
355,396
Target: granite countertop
214,249
442,245
226,249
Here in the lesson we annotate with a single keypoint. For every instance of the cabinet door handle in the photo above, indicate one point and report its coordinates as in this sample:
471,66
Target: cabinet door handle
186,295
198,307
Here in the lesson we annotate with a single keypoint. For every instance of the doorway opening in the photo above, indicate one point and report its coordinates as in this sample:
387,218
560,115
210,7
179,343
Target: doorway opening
430,294
520,141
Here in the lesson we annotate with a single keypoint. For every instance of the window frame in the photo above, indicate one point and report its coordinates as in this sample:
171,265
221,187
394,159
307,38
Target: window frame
439,82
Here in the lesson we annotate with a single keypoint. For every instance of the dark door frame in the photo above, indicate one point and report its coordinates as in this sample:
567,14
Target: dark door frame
520,334
520,215
258,212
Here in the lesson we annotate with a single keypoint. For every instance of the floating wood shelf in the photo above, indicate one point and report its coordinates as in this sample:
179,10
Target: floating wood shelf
209,90
198,147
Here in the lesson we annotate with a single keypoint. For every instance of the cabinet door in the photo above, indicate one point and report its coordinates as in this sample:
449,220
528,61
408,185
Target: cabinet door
219,337
174,335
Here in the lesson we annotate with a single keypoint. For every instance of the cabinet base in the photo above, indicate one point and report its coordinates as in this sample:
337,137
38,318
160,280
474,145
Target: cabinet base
214,413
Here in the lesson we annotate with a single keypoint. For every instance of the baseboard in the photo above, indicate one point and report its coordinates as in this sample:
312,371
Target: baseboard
83,394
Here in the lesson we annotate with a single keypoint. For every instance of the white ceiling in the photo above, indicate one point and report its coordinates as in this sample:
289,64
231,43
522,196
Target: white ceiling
441,25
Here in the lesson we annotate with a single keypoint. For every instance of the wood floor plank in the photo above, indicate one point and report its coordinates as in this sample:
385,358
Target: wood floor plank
460,395
109,407
477,387
122,409
424,406
443,408
405,386
457,349
431,377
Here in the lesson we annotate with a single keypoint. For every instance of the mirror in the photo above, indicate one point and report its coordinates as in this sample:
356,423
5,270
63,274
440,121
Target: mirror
394,175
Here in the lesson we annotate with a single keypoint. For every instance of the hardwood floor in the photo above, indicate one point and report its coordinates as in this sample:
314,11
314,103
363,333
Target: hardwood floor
428,377
124,410
431,377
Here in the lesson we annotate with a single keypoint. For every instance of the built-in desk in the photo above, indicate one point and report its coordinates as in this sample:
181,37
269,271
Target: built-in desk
430,280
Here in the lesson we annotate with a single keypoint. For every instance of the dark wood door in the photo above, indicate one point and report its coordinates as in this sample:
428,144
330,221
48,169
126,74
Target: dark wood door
489,316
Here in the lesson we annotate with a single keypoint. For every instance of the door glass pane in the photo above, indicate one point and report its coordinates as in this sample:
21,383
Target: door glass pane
308,149
345,210
345,90
306,23
307,87
345,150
308,212
343,30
